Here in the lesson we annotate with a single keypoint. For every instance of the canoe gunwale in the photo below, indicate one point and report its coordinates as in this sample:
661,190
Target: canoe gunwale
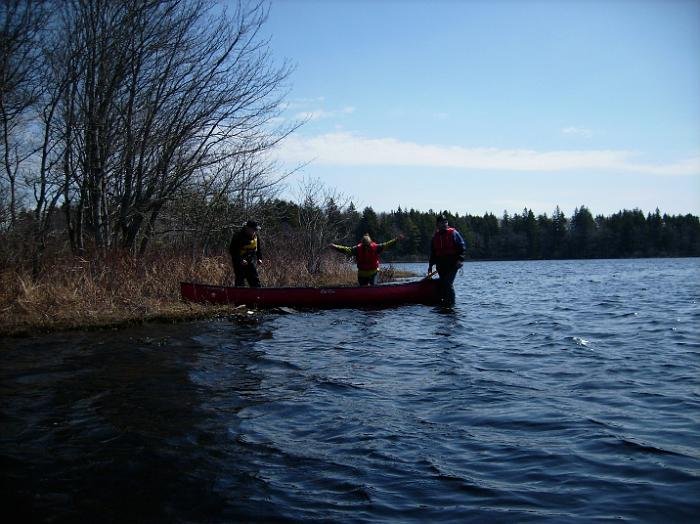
390,294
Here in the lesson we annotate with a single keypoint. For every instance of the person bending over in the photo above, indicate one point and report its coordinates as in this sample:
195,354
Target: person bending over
246,254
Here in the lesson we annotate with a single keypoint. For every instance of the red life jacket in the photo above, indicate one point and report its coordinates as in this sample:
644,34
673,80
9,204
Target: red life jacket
367,256
444,244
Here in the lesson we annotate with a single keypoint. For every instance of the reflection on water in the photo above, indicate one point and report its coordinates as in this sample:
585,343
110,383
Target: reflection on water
554,390
134,423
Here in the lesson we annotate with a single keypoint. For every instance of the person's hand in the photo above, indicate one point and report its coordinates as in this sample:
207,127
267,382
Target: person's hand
401,236
430,269
244,262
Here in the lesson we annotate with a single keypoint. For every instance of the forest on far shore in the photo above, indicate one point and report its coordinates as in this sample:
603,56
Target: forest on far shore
627,233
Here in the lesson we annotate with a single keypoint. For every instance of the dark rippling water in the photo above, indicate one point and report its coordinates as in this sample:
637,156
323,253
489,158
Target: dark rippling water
555,391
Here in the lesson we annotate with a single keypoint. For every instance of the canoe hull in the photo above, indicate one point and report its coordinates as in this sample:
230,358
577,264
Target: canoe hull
422,292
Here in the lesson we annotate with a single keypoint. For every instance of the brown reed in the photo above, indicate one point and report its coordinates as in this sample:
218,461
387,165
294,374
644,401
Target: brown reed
120,289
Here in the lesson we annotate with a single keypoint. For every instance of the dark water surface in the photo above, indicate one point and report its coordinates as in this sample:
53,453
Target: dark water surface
555,391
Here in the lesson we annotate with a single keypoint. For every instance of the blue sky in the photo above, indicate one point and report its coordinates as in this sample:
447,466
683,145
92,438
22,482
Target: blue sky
478,106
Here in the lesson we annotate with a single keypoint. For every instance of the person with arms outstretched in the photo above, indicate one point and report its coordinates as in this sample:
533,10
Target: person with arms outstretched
366,253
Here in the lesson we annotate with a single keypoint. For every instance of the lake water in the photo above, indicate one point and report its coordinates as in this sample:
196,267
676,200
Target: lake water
555,391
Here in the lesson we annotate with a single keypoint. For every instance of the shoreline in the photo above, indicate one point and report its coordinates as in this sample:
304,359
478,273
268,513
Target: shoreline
119,314
184,313
170,309
119,290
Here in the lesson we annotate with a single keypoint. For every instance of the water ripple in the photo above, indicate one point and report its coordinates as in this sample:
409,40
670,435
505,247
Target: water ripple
555,391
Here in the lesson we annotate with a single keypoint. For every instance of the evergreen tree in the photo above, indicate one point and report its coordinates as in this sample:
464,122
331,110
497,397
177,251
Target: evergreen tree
369,223
352,223
559,234
532,235
545,230
655,226
583,231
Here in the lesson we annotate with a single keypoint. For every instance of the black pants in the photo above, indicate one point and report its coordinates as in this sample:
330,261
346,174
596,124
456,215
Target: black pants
447,273
248,272
367,281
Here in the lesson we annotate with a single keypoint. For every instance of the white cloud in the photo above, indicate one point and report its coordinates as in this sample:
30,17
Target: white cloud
348,149
318,114
577,131
275,120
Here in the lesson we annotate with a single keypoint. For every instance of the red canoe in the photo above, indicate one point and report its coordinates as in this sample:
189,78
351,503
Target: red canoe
421,292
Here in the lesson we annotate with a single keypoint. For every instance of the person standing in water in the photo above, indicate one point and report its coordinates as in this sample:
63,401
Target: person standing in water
447,254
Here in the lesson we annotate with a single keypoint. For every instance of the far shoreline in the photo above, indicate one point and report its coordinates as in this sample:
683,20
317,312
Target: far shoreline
472,260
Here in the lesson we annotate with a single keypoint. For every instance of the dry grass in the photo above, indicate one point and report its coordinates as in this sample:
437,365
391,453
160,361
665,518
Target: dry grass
79,293
75,292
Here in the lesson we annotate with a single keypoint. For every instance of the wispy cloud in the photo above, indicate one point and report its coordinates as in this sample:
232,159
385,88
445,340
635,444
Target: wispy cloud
348,149
296,103
276,120
577,131
318,114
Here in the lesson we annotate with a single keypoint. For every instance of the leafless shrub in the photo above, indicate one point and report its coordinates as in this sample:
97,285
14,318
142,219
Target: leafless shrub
320,220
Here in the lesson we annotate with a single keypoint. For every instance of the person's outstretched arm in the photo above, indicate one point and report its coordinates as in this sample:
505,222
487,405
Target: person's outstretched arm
343,249
381,247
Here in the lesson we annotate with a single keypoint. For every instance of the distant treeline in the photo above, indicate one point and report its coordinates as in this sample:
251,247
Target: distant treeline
517,236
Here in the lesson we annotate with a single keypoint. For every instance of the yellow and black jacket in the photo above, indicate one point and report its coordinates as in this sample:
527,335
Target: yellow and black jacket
245,248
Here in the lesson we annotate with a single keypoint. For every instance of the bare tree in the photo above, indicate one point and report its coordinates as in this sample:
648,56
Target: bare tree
207,209
137,118
21,24
166,92
320,219
45,178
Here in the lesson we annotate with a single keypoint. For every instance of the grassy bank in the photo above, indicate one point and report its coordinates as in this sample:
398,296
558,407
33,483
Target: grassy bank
76,293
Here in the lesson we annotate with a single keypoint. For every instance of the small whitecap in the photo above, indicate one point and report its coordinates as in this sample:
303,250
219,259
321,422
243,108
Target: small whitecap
581,341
